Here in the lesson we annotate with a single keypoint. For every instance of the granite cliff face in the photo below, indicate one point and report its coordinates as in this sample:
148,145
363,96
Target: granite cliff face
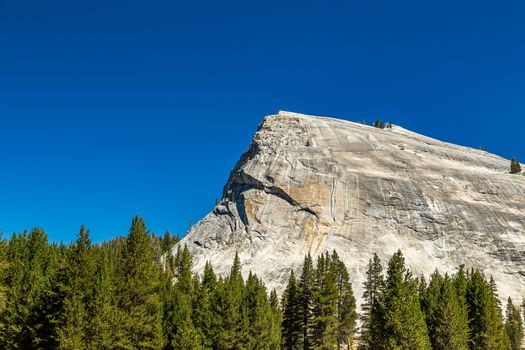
311,184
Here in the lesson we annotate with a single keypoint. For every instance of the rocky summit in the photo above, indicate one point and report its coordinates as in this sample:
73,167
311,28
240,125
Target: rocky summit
315,184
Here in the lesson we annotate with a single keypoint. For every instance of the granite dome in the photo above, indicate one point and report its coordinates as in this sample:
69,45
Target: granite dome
312,184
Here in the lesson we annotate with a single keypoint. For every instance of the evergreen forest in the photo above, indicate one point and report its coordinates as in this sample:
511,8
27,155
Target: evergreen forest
137,292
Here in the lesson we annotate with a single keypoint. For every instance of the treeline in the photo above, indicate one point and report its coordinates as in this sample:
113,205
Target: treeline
132,293
319,308
123,295
461,311
399,311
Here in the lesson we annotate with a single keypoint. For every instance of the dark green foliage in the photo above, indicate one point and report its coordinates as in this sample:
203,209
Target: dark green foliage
404,322
3,270
319,310
306,286
259,316
133,293
292,332
182,333
76,289
515,166
346,304
461,282
31,266
140,316
203,315
324,325
185,334
183,273
514,325
485,321
103,323
523,307
117,295
372,313
381,125
168,241
277,319
230,326
447,322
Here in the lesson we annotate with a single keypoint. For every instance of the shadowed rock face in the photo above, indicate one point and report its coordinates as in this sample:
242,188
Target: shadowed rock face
312,184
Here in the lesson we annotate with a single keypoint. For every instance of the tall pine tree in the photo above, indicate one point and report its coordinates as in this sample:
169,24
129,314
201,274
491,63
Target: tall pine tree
139,299
372,310
103,323
447,323
292,331
74,331
230,325
31,267
514,325
185,335
277,319
485,322
306,286
258,313
346,304
324,325
405,326
203,315
3,284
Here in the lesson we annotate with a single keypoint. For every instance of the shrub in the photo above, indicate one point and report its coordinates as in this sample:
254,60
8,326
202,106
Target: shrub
515,166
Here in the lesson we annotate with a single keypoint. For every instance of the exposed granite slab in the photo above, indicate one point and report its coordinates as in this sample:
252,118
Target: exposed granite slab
314,184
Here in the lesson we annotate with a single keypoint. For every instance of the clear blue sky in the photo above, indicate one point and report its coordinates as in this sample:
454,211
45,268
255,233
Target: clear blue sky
115,108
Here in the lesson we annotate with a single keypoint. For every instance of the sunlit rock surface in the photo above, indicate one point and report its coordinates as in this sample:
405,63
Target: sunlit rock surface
313,184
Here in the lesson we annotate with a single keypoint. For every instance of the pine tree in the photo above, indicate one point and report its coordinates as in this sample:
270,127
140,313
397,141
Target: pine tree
203,316
140,303
324,325
292,324
485,323
346,304
371,315
186,336
277,320
258,315
514,325
460,282
3,284
103,322
523,308
447,324
306,287
183,333
379,124
405,326
30,266
48,306
230,325
515,166
71,335
73,332
183,272
168,241
111,296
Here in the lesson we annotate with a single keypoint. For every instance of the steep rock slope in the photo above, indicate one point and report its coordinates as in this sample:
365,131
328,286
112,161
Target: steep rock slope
311,184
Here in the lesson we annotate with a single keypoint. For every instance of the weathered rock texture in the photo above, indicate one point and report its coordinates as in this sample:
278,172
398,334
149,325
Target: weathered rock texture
311,184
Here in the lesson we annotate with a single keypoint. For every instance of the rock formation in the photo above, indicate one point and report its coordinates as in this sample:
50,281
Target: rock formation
311,184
